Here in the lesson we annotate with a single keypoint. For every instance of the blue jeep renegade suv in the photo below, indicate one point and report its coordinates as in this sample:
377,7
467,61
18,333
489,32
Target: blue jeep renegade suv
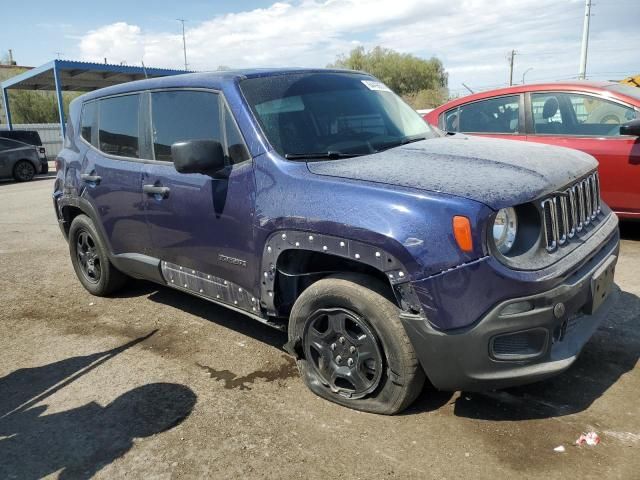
318,202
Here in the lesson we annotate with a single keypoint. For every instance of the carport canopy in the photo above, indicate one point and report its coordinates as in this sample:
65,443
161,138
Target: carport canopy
68,75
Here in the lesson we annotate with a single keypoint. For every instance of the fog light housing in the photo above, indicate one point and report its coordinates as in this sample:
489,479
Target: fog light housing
522,345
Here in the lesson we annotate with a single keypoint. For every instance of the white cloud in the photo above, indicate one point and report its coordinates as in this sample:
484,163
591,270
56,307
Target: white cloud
472,37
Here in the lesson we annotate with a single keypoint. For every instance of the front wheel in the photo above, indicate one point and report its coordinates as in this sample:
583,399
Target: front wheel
354,349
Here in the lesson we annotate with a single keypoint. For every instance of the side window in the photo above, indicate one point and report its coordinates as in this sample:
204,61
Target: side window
575,114
547,116
6,144
119,125
450,122
595,116
88,121
495,115
183,115
236,149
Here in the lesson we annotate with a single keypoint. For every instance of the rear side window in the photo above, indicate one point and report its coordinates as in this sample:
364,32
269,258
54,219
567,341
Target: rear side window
6,144
119,125
183,115
88,121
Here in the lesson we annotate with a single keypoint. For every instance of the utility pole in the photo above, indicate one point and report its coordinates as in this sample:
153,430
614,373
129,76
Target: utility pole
582,74
512,56
184,42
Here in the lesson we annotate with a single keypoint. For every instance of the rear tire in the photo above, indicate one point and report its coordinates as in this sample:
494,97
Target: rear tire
90,260
356,351
24,171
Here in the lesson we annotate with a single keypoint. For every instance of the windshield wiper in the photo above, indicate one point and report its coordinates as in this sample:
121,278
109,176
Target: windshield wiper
401,142
327,155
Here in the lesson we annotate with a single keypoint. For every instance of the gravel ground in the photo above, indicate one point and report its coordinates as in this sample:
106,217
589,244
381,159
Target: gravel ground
156,384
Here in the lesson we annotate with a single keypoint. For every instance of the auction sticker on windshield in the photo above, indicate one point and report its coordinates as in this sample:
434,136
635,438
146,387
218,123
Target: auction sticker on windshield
379,86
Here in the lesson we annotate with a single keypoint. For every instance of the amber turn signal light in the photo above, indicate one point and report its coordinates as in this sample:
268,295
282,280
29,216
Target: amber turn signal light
462,233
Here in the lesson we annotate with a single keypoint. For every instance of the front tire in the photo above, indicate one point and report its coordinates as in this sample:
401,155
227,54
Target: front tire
90,260
355,350
24,171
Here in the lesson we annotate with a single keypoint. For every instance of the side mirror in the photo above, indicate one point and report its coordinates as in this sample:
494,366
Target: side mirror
631,128
198,156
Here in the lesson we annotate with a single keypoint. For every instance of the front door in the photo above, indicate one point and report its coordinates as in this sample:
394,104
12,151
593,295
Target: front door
592,125
202,223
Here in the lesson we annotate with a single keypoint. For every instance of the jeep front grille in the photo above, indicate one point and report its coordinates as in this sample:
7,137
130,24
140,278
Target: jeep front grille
569,211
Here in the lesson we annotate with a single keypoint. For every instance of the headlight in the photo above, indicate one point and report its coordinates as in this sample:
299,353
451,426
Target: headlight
505,228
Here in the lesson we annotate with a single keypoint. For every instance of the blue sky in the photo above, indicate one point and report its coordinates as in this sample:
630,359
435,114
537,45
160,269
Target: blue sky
471,37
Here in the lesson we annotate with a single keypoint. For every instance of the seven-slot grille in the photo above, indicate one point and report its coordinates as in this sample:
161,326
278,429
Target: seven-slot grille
569,211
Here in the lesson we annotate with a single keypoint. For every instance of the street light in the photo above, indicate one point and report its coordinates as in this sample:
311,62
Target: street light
525,72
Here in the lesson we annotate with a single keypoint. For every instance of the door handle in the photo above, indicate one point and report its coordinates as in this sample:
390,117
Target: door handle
90,178
156,190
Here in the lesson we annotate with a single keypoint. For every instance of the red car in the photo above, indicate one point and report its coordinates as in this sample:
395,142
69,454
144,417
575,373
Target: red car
600,118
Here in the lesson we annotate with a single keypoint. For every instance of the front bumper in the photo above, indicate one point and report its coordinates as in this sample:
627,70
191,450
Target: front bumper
545,339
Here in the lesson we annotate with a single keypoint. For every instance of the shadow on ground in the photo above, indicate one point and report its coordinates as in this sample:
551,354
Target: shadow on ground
630,230
207,310
80,441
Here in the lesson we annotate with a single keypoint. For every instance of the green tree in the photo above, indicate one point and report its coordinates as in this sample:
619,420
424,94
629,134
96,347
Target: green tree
422,83
37,107
33,107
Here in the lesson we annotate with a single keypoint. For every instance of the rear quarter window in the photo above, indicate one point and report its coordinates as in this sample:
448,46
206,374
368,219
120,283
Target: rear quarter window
88,123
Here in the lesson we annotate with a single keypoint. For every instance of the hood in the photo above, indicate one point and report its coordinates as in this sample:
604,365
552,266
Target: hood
498,173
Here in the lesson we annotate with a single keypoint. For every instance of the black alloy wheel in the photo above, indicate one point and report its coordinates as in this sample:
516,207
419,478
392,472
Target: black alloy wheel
24,171
88,257
344,352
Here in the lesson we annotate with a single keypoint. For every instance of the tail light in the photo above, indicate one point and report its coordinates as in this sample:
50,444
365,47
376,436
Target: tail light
41,149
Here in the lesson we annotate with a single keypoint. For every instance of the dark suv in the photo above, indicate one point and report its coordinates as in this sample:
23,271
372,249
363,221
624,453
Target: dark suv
318,202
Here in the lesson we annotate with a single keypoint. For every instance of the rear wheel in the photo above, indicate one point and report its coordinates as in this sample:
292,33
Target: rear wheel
90,260
24,171
354,347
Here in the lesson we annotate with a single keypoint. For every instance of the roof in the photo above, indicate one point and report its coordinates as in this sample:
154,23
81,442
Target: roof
82,76
216,80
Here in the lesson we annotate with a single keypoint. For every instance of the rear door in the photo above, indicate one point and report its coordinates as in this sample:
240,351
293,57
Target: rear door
592,124
111,170
202,223
498,117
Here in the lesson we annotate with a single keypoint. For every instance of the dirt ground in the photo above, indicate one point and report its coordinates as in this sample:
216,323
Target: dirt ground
157,384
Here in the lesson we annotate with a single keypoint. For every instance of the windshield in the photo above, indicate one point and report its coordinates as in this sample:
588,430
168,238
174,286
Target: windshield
331,115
